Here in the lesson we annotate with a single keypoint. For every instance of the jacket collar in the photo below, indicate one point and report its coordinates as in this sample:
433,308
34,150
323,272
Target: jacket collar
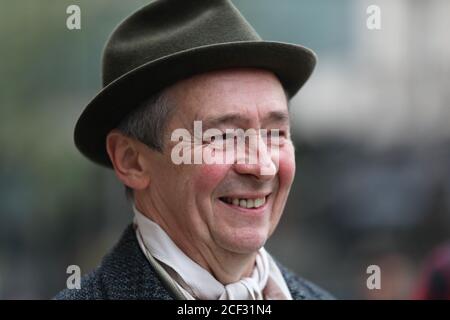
127,274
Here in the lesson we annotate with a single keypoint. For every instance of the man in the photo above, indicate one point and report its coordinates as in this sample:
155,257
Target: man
200,226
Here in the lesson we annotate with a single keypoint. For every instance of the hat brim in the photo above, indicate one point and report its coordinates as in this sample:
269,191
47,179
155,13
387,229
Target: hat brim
293,64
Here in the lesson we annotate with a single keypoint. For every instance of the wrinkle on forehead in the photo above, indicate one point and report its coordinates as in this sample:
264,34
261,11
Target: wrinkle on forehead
243,90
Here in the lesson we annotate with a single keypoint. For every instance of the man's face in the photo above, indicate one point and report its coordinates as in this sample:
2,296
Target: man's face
198,202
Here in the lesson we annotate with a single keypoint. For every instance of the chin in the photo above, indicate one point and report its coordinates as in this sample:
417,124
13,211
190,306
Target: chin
243,241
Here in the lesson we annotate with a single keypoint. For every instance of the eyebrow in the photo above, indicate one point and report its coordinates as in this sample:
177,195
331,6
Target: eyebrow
281,117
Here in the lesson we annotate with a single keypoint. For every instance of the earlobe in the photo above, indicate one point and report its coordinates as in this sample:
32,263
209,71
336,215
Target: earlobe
126,158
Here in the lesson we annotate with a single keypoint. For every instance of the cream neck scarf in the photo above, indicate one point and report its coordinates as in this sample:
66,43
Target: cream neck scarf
265,282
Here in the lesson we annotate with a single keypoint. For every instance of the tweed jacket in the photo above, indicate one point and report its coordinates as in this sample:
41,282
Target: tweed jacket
126,274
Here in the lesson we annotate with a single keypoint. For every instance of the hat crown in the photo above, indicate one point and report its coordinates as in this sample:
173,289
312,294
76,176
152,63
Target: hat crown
165,27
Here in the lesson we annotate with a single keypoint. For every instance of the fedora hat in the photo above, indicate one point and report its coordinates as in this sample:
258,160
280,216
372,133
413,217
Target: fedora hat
170,40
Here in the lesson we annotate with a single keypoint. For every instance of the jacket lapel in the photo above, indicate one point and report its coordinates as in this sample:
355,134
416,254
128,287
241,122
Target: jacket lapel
127,274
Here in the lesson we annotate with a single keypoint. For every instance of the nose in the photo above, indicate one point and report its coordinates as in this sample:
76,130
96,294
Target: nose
258,161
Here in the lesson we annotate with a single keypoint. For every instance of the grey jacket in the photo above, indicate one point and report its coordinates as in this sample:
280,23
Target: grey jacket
126,274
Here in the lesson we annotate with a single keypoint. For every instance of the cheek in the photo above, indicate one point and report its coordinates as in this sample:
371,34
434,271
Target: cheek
208,177
286,171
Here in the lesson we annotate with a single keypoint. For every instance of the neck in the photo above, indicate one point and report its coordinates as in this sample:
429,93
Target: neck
226,266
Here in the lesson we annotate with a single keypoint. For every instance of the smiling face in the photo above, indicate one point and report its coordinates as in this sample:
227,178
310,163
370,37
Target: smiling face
231,207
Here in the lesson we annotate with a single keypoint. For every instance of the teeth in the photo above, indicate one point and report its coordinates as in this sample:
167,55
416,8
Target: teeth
246,203
259,202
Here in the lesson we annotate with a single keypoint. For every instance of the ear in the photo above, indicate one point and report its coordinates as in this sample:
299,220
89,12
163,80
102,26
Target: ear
127,157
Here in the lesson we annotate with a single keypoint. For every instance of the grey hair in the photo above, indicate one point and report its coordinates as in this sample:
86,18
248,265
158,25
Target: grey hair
147,124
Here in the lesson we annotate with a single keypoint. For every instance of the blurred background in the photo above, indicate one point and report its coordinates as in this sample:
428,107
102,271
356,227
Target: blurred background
371,128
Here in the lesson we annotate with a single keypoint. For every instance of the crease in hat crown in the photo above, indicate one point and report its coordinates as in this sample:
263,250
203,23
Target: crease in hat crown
160,29
167,41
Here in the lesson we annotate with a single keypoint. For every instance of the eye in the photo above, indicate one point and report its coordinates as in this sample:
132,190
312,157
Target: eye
277,132
276,137
226,136
221,137
218,139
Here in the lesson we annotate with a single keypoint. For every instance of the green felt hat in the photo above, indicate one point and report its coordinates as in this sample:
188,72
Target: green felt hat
169,40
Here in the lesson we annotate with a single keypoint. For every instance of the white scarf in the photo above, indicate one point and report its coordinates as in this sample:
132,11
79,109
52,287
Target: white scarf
195,282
